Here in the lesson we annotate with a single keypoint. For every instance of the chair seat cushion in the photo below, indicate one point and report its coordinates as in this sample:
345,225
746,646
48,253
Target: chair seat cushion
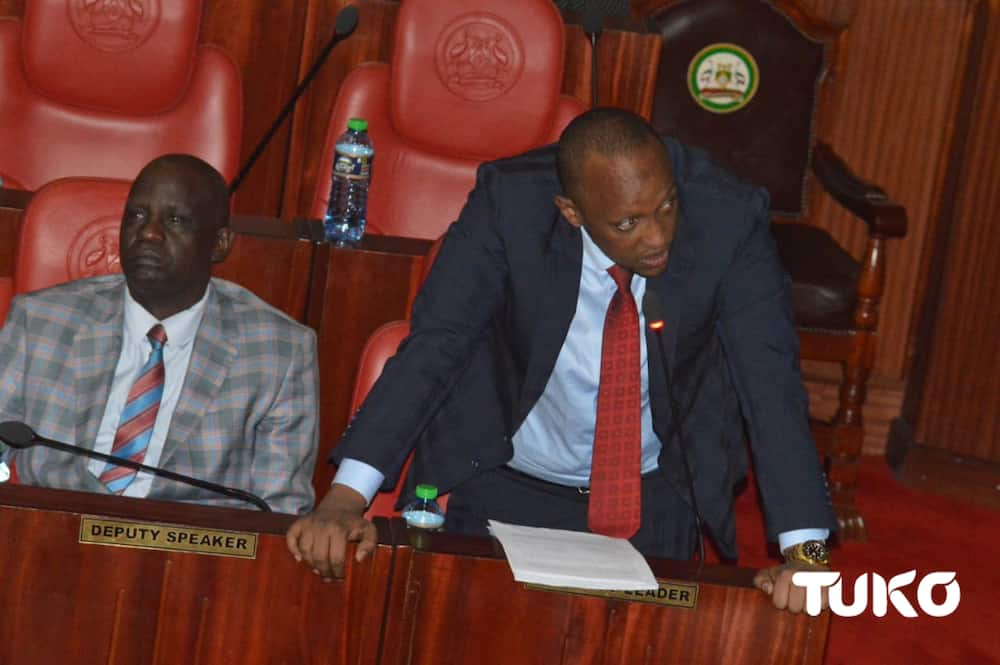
824,276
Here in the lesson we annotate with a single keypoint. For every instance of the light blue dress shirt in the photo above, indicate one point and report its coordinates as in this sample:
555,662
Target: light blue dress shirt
556,439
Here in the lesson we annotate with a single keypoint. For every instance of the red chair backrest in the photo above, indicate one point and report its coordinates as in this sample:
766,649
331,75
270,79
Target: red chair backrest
68,231
100,88
469,82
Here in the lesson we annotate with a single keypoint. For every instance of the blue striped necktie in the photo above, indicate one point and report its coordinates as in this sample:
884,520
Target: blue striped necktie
135,428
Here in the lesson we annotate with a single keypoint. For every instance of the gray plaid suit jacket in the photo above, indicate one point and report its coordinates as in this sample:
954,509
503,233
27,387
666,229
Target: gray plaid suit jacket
247,413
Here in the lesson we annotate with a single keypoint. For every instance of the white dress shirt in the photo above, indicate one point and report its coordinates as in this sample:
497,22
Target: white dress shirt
556,440
181,330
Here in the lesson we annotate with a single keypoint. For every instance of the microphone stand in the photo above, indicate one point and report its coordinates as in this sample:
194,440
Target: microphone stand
592,26
347,21
655,322
19,442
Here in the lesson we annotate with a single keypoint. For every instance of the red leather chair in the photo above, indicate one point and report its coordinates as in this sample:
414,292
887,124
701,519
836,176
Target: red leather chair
469,82
100,88
83,244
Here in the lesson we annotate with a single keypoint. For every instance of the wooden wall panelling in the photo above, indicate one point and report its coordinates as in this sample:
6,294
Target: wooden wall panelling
265,40
12,203
372,40
353,292
627,60
273,259
960,406
893,123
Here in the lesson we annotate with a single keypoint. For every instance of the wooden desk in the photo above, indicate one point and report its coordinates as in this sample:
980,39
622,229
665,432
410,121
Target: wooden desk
454,600
64,601
422,598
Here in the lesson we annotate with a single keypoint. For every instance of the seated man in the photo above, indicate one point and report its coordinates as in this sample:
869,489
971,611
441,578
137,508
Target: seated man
166,365
539,397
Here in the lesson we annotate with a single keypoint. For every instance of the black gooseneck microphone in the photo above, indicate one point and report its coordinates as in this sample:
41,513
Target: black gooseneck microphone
593,27
652,309
347,21
18,435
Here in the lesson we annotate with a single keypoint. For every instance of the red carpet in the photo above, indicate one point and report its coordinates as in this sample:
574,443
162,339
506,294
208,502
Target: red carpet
908,530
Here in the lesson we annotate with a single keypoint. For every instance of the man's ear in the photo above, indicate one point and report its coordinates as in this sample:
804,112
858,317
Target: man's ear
568,210
223,243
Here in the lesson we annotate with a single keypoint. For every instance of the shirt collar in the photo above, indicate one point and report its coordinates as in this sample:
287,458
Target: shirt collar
181,327
593,257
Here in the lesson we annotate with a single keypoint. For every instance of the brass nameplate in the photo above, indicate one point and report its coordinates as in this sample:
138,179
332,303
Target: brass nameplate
150,536
671,594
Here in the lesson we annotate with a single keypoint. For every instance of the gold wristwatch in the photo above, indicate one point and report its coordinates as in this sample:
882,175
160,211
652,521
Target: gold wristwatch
811,551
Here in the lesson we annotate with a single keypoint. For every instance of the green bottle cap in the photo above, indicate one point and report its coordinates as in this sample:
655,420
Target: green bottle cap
357,125
428,492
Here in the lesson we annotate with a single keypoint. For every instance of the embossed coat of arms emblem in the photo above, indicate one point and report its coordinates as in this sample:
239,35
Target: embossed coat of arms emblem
479,57
114,25
723,78
94,250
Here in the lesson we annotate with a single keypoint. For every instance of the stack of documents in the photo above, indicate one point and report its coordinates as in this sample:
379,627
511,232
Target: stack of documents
573,559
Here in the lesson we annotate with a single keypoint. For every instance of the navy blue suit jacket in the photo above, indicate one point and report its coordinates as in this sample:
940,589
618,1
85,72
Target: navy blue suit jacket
489,323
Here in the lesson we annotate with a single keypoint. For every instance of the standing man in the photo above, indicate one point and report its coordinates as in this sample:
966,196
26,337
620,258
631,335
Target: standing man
539,397
165,365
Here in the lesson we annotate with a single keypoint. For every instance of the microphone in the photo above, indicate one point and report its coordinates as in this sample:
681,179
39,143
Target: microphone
18,435
347,21
593,27
652,309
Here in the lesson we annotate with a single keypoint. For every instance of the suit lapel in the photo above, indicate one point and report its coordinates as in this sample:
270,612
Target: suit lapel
96,349
212,356
669,287
558,288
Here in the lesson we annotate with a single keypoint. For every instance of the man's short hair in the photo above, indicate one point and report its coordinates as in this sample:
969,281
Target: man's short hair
606,131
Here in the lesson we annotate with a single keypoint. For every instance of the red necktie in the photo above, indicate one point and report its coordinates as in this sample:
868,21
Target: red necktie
615,495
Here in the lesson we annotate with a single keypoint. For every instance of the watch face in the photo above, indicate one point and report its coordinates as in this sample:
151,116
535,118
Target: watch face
814,550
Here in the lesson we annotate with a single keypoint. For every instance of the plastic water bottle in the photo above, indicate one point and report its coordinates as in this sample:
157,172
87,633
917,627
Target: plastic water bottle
344,223
424,512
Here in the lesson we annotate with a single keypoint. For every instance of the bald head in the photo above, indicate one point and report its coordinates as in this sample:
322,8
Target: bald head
207,186
604,132
175,225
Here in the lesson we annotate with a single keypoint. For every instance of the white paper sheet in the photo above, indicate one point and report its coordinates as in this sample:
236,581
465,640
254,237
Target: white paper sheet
573,559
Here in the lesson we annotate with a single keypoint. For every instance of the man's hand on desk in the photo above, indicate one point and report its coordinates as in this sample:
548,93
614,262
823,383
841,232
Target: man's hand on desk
320,538
776,581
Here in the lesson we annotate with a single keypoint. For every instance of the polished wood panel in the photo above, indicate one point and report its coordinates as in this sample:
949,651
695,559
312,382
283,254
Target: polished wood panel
960,406
626,67
273,259
453,600
893,121
67,602
353,292
883,403
12,204
265,40
420,598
